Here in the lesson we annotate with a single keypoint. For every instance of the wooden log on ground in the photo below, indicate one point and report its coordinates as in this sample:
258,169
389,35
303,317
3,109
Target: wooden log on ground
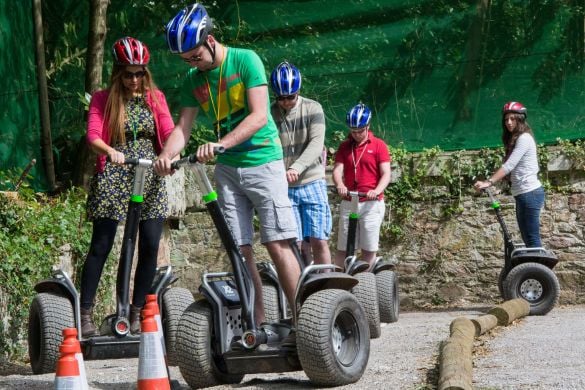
510,311
462,327
484,323
456,364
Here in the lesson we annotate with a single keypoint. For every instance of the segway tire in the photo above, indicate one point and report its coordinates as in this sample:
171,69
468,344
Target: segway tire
367,295
501,278
195,337
536,283
332,338
270,298
174,303
49,314
388,296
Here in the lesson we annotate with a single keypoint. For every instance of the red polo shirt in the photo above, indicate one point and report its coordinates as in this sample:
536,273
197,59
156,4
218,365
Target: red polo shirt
361,163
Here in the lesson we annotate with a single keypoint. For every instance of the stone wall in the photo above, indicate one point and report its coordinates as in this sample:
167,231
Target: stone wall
440,262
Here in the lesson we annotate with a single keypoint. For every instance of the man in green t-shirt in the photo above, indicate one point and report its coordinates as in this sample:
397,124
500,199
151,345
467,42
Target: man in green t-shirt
229,85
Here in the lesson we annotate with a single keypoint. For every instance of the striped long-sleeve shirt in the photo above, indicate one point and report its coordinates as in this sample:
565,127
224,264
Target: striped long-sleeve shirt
522,165
302,134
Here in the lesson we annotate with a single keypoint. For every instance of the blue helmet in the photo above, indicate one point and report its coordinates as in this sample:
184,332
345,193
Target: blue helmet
285,79
188,29
359,116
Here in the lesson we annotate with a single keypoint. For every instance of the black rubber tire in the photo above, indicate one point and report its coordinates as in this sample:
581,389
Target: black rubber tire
194,349
366,294
388,296
270,298
175,301
501,277
333,342
536,283
49,314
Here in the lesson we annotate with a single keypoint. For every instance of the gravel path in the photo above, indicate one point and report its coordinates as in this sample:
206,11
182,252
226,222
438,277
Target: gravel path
535,353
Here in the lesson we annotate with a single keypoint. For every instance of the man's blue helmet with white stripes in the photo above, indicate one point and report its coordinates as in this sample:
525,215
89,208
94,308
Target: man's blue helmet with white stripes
285,79
359,116
188,29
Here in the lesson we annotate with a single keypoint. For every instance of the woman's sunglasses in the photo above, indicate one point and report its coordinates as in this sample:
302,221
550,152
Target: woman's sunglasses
286,97
130,75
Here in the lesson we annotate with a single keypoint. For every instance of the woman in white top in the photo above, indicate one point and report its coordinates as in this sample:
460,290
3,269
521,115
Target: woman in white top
521,164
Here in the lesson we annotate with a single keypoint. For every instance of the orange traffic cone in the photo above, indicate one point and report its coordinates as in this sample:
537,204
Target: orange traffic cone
70,338
152,369
67,375
151,304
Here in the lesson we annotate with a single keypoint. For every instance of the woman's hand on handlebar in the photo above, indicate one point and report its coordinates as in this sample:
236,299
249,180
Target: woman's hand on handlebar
116,157
342,191
206,153
482,185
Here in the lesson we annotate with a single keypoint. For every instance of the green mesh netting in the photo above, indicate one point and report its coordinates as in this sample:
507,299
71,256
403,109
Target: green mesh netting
434,72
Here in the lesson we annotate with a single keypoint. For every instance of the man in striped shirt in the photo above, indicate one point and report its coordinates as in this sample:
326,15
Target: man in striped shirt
301,125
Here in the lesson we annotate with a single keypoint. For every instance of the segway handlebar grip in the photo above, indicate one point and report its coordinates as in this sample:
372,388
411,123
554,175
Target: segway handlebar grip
349,193
192,158
127,161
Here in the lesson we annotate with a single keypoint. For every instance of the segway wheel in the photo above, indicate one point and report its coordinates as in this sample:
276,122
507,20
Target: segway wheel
270,298
333,342
536,283
388,296
174,303
195,338
366,293
49,314
501,278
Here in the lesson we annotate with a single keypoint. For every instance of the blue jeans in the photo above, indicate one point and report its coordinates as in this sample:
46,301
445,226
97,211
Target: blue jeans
528,206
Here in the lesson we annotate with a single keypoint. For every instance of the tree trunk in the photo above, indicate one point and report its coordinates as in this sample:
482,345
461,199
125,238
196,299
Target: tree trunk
93,80
46,141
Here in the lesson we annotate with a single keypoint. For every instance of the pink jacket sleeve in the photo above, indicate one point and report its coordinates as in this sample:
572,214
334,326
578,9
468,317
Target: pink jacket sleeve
96,118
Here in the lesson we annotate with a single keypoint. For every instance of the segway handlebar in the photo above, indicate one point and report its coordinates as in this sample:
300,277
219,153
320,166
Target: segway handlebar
350,193
135,161
192,158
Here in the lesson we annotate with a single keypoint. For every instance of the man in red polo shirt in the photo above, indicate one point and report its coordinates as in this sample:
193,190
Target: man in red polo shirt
362,164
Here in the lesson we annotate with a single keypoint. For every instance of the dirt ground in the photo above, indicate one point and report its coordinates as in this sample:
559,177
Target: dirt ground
533,353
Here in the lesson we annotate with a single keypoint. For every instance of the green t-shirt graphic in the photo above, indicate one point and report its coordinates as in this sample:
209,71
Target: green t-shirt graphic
242,69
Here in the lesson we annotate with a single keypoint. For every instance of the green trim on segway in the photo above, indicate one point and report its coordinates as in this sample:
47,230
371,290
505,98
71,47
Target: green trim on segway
210,197
354,215
137,198
495,205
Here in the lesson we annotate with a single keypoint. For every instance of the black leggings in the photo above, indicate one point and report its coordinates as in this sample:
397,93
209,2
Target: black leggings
102,240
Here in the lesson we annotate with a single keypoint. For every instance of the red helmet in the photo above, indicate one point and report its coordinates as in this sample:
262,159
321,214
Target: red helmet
514,107
130,51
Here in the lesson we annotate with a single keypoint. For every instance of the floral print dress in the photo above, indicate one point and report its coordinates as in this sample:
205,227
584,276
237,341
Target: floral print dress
110,190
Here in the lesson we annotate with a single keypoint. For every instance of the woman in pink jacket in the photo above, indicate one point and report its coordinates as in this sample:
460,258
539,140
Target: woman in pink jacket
129,119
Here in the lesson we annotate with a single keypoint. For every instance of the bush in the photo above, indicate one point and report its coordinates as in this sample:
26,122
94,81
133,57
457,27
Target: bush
33,228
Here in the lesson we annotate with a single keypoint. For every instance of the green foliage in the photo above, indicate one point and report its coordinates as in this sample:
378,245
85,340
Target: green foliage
33,228
435,176
574,151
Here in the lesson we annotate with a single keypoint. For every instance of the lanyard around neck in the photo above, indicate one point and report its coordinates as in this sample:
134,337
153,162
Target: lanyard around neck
217,112
356,163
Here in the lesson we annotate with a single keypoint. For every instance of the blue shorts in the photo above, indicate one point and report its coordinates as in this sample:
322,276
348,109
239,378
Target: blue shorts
263,188
311,209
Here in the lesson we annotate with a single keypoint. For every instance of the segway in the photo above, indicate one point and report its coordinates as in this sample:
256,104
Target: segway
218,341
385,284
527,272
57,303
